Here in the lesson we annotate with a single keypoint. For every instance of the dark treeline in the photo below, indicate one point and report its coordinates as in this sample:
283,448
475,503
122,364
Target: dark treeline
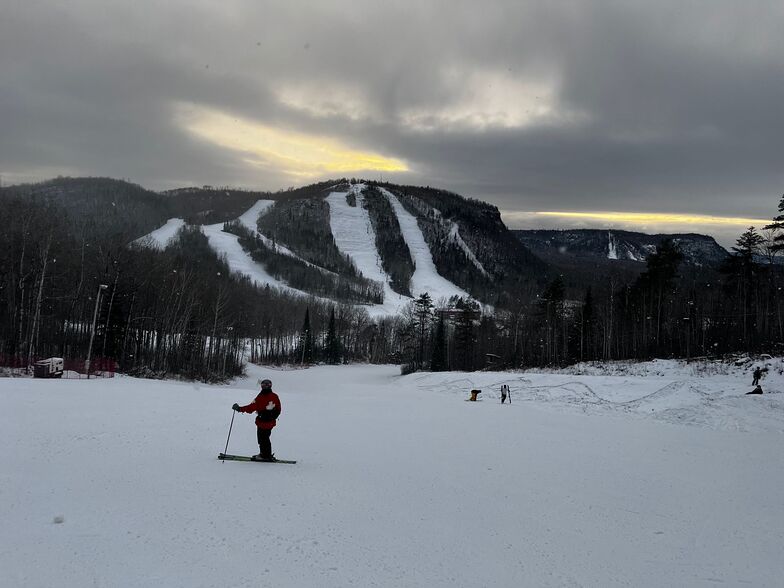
176,312
670,310
180,312
307,277
395,255
506,269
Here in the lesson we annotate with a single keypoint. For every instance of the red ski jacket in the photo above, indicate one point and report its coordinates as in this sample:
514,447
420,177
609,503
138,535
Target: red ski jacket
267,407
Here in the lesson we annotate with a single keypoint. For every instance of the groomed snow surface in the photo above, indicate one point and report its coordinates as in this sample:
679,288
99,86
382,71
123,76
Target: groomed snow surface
355,237
586,479
426,277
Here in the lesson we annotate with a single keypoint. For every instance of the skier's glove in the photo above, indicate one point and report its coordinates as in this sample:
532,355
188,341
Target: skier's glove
235,406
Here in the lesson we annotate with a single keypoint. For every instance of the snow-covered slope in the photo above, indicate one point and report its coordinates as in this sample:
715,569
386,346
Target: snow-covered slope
426,278
454,234
160,237
250,216
354,236
227,244
248,220
399,483
616,245
238,259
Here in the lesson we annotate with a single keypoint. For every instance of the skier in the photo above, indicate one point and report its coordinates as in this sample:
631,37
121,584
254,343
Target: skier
504,393
757,390
757,375
267,408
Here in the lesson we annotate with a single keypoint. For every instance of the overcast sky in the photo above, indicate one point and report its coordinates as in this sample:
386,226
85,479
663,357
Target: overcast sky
574,106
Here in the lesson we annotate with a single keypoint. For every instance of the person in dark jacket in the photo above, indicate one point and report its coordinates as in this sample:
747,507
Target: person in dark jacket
267,408
757,375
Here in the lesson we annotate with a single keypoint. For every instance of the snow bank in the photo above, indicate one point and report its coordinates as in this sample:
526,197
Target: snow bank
399,483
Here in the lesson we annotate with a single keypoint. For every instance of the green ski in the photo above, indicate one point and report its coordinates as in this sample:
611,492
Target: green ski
224,456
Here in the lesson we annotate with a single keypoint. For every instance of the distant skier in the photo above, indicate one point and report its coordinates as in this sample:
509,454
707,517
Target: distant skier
505,393
757,390
757,375
267,408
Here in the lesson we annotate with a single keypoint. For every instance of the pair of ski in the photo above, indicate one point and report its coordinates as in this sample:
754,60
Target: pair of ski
227,457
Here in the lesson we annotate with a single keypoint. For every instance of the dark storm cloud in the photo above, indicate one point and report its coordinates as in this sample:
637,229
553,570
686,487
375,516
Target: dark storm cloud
626,106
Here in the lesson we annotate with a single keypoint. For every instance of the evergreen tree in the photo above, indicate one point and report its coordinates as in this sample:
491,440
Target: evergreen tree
332,344
422,317
778,226
465,334
306,340
587,326
438,360
743,272
551,303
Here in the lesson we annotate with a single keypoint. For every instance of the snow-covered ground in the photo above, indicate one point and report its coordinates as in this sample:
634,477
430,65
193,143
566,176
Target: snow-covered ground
586,479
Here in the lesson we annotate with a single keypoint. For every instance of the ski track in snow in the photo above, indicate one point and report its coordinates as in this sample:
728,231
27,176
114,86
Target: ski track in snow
716,402
425,278
399,481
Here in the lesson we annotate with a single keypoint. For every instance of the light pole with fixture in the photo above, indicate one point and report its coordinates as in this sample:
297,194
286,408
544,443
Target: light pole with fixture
101,289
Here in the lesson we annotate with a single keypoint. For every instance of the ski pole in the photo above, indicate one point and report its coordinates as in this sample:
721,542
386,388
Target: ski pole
227,438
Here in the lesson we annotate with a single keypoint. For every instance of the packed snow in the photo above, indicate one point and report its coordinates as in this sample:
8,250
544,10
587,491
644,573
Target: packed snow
454,234
426,277
228,245
592,476
355,237
160,237
612,252
249,218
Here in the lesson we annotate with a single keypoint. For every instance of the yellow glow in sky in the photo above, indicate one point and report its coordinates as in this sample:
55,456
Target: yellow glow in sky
657,218
294,153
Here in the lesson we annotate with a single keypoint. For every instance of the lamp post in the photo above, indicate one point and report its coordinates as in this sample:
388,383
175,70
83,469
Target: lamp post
98,298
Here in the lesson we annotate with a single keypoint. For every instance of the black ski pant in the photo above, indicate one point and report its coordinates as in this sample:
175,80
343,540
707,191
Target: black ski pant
265,446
